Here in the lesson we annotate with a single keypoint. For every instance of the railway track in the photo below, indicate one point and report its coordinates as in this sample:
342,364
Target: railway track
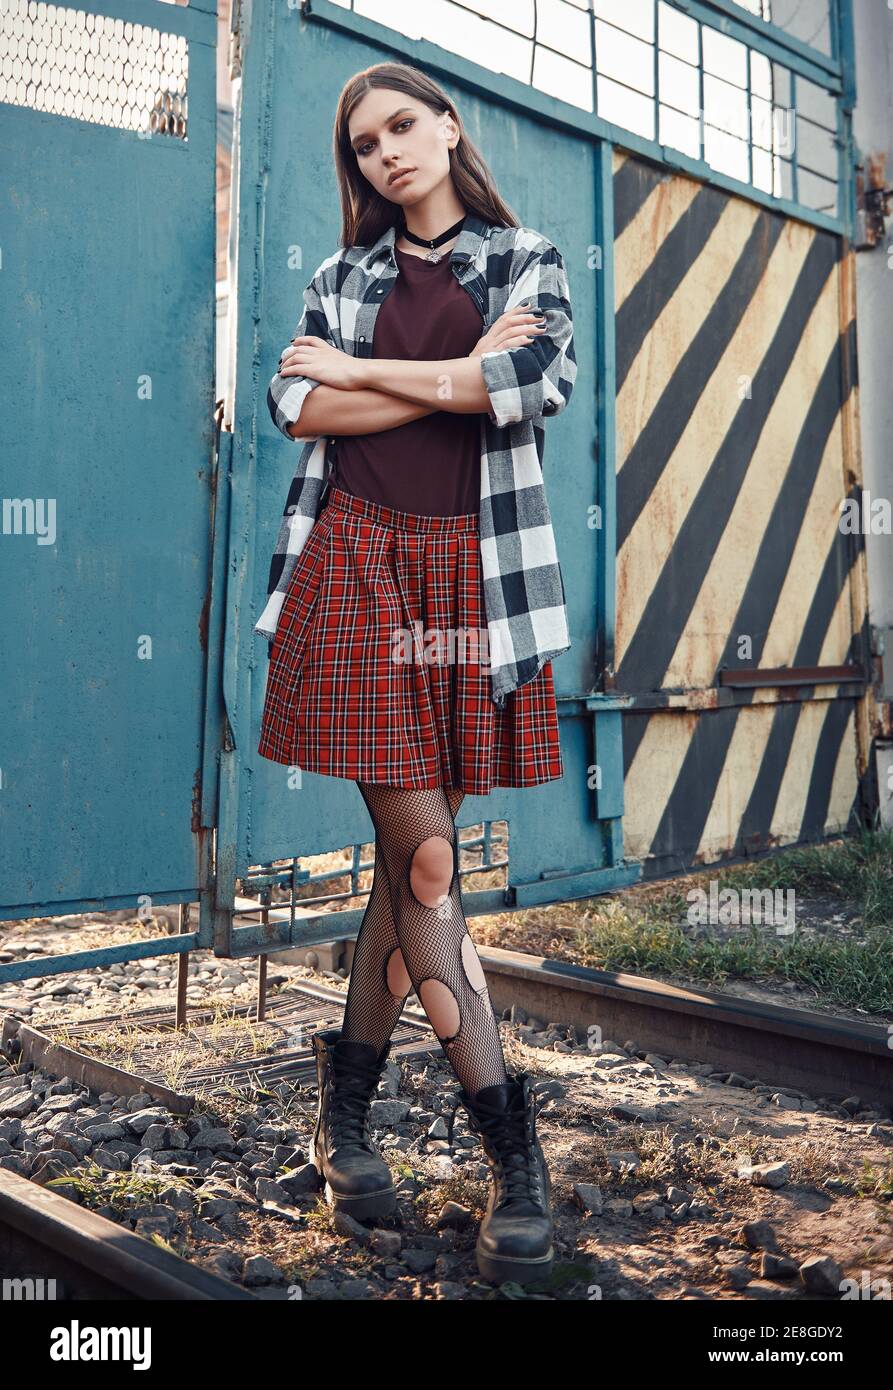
812,1052
44,1236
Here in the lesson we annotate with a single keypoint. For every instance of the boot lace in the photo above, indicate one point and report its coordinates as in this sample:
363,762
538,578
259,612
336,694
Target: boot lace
349,1112
505,1133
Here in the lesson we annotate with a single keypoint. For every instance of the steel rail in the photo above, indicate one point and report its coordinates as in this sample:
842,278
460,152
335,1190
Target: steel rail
816,1053
45,1236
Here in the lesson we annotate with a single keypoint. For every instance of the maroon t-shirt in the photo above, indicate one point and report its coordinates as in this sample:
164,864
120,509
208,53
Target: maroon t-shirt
430,466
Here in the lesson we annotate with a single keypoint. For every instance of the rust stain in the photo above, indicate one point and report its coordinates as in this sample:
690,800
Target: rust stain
203,621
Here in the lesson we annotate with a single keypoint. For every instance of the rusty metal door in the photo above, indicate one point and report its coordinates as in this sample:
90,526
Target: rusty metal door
742,636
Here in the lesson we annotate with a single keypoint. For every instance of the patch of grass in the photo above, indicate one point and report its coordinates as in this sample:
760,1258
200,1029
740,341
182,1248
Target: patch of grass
858,870
467,1192
123,1191
649,936
872,1182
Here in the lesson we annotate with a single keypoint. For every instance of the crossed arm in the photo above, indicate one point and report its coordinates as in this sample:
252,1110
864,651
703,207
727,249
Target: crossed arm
523,367
366,395
330,410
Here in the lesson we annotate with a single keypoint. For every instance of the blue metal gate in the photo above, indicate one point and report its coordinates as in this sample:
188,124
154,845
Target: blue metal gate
108,149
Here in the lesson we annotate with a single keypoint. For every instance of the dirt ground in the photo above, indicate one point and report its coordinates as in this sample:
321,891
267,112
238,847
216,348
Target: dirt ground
651,1197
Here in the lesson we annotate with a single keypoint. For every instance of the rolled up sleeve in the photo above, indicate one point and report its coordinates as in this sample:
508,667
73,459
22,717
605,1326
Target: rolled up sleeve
286,394
536,379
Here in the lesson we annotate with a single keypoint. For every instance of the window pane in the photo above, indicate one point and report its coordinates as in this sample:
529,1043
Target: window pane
627,59
725,154
760,75
563,79
816,149
678,84
511,14
680,131
804,19
783,131
815,104
761,128
762,170
781,85
625,108
725,107
562,26
813,192
724,56
678,33
635,16
784,179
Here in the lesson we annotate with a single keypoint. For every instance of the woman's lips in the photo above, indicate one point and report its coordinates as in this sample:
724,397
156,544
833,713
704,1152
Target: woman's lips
400,177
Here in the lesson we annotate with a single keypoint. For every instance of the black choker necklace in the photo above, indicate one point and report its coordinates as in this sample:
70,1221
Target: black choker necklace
433,241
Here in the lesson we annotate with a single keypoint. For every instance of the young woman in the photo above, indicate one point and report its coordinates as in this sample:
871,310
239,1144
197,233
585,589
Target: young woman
414,615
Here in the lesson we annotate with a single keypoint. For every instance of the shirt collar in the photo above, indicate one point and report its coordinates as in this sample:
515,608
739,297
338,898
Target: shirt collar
474,231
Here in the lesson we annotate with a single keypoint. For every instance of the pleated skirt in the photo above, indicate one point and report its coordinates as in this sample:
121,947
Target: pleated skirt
378,669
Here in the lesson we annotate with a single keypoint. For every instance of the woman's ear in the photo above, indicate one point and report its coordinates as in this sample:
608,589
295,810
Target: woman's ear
449,129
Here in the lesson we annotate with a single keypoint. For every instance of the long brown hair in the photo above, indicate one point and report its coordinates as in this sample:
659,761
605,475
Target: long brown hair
365,214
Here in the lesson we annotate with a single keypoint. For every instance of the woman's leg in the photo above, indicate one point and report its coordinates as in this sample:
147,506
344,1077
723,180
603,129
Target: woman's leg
416,833
379,982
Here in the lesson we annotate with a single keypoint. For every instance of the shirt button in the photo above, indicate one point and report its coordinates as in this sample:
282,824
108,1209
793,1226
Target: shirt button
362,340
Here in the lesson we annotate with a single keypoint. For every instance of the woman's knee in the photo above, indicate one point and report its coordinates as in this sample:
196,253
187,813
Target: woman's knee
431,870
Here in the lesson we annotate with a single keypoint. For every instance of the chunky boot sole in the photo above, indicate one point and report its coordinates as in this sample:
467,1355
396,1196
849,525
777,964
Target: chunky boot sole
382,1202
499,1269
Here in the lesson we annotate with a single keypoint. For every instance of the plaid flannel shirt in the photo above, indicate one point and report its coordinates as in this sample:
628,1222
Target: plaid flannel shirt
500,267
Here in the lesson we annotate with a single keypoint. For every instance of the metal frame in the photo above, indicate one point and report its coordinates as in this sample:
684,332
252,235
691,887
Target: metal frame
834,72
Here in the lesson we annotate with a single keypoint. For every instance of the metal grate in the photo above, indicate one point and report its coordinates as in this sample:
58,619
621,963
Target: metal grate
276,884
92,67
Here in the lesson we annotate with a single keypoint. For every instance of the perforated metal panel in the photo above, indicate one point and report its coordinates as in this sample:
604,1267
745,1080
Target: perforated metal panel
93,67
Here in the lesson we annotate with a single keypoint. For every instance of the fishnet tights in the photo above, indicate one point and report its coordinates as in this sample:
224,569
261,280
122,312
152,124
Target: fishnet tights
433,941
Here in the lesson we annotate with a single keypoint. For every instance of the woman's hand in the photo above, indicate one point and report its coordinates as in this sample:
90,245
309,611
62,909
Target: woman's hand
314,357
512,329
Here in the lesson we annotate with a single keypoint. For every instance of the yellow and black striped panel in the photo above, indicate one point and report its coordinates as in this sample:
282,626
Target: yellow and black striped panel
736,383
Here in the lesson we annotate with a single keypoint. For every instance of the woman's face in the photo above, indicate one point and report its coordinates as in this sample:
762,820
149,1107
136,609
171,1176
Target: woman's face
391,131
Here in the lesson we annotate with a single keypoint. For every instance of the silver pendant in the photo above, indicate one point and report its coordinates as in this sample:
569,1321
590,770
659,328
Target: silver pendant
434,256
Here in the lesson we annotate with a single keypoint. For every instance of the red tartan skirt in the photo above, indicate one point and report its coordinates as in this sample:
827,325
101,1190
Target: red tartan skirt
378,666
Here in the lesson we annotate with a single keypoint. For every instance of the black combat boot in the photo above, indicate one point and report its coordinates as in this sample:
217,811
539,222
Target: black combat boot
515,1238
357,1179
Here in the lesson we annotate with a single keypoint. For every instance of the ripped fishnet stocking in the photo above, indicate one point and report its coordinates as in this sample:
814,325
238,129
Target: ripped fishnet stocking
372,1009
421,942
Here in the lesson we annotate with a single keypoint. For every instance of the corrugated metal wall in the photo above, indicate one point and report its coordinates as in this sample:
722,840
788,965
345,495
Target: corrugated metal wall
736,444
